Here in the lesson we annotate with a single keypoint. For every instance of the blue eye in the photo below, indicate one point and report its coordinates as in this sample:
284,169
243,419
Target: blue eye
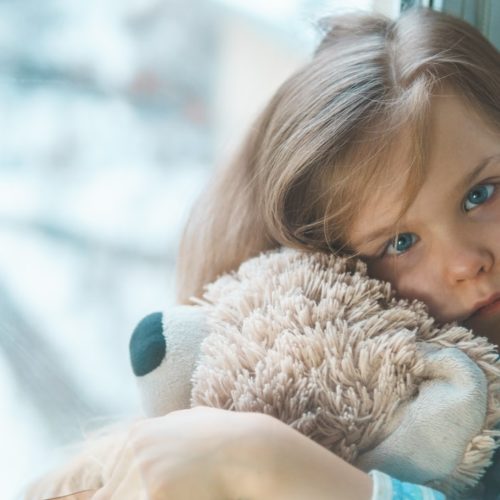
478,196
401,243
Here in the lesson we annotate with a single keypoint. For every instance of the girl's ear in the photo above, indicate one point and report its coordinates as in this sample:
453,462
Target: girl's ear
164,350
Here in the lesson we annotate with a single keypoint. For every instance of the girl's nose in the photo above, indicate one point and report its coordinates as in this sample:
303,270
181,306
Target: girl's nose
466,260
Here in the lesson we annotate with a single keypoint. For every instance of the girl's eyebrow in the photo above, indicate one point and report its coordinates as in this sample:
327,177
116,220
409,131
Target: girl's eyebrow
385,232
463,183
476,171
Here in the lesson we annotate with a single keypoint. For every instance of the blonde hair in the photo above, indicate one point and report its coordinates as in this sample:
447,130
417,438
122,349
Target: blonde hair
324,140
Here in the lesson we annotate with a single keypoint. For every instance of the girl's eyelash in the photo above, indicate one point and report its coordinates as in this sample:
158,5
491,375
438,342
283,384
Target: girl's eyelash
394,241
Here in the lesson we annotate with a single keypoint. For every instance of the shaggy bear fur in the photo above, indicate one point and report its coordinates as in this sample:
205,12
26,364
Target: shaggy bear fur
310,339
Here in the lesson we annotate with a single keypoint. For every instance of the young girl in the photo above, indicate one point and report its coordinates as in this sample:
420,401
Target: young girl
386,145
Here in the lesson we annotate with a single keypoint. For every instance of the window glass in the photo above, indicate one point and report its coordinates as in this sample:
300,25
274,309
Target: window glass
113,115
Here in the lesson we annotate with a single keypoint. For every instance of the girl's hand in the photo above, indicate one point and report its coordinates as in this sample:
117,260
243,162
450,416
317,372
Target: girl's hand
188,454
210,454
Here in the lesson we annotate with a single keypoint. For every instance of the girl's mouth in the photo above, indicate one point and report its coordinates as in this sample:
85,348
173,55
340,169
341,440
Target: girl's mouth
486,307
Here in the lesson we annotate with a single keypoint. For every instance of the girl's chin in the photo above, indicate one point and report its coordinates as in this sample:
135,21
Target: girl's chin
486,327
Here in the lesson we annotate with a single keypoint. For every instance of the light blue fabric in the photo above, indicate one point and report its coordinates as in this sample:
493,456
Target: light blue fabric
386,487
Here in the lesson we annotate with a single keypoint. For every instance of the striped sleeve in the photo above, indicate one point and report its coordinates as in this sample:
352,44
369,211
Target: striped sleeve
386,487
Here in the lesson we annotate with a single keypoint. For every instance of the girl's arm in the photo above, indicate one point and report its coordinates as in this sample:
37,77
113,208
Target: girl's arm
211,454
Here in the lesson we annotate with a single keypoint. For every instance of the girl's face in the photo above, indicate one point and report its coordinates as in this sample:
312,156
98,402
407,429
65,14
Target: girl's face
446,249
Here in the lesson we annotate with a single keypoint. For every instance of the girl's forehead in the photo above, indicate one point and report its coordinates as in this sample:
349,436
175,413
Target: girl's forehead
460,146
384,197
379,214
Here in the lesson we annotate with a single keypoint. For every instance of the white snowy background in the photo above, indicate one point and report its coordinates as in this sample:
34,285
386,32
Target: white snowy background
112,116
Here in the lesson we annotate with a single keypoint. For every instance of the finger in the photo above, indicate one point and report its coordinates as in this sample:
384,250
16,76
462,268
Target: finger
124,482
83,495
80,495
128,487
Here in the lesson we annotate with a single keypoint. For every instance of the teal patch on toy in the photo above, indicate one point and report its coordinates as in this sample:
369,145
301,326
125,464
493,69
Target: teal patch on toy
148,345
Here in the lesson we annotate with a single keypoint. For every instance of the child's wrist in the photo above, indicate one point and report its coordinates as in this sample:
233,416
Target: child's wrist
298,467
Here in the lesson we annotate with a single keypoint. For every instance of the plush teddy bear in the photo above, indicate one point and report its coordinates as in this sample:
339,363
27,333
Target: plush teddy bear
312,340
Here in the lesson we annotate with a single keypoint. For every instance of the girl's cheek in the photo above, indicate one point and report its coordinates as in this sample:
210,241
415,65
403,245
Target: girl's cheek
491,211
388,270
398,271
410,279
381,271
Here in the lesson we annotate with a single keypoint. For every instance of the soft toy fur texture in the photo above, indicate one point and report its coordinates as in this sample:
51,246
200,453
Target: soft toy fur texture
312,340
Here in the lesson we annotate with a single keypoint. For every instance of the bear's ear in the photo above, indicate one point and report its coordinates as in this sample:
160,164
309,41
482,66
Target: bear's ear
164,350
431,430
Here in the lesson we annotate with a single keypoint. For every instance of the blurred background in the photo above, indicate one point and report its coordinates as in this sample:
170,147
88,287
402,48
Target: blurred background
113,116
